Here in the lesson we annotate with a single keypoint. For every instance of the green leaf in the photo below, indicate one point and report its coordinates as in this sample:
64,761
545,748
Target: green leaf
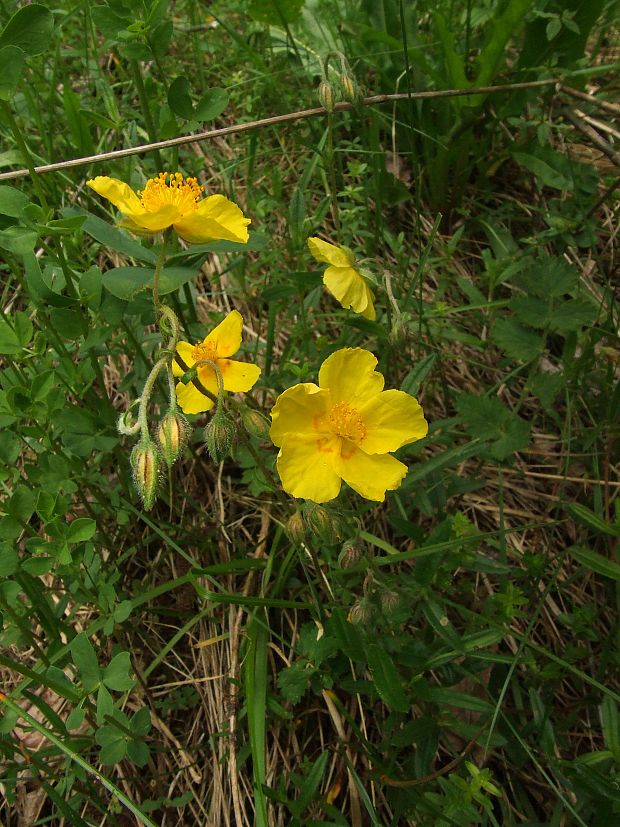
387,680
12,61
179,99
9,560
105,704
85,659
610,723
112,237
81,529
30,29
140,723
15,333
592,520
126,282
12,200
116,673
595,562
573,314
294,680
22,503
544,169
138,752
275,14
18,240
312,782
549,277
211,105
487,419
516,342
113,745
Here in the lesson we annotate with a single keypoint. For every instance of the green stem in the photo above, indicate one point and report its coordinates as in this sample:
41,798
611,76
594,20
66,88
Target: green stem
146,109
331,169
146,395
159,266
5,109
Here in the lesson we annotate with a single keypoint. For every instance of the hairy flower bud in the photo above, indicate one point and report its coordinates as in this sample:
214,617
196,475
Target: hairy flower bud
350,554
255,423
296,528
219,436
172,435
350,89
389,601
146,464
326,95
359,613
323,523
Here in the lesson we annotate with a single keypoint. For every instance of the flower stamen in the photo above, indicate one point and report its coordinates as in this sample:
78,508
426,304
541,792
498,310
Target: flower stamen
171,188
345,421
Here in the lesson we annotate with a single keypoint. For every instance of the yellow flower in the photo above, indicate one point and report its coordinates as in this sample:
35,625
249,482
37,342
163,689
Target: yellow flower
173,201
218,346
344,282
343,429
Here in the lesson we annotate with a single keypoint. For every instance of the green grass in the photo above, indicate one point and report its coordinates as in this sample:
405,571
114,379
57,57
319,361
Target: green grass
234,655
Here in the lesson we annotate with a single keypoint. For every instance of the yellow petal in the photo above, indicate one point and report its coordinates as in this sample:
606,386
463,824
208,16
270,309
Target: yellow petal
330,253
298,410
191,400
226,337
214,218
351,290
350,375
185,351
153,221
306,467
392,418
118,192
370,476
238,377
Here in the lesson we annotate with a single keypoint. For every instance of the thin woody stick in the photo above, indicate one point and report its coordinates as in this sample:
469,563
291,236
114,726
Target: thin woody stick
276,119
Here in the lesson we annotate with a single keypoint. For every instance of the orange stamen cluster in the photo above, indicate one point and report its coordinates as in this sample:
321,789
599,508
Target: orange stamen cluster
204,350
171,188
345,421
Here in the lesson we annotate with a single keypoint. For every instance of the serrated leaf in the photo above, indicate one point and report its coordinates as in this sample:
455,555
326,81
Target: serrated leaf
549,277
116,673
386,678
488,419
295,680
516,342
572,315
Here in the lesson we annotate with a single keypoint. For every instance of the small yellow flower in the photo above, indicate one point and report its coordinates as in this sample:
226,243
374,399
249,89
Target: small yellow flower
173,201
218,346
344,282
343,429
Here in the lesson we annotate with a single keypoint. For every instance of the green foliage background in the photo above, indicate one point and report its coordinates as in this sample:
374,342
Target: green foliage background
449,657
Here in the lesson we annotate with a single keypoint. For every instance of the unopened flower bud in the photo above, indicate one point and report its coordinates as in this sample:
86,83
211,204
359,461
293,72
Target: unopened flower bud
255,423
326,95
146,466
323,523
296,528
350,555
219,436
359,613
172,435
389,601
350,89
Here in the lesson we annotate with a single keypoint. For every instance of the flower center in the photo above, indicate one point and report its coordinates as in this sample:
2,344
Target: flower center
345,421
205,350
171,188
